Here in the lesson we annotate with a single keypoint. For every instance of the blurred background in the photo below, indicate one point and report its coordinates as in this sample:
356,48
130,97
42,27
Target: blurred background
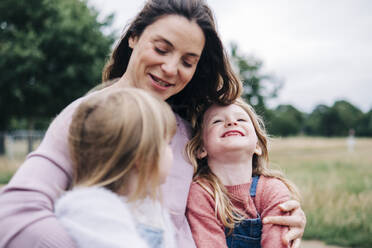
306,68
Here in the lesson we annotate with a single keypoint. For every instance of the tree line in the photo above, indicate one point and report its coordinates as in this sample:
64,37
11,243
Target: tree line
53,51
286,120
330,121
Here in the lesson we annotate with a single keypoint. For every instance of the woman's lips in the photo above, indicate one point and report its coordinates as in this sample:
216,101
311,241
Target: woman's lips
159,82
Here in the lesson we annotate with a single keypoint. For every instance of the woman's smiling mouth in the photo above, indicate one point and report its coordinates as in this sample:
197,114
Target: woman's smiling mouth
159,82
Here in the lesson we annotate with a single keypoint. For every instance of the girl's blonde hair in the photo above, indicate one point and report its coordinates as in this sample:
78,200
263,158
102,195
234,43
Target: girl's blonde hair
224,208
116,131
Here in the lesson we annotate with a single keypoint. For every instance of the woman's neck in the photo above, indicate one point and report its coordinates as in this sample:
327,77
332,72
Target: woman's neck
232,170
123,82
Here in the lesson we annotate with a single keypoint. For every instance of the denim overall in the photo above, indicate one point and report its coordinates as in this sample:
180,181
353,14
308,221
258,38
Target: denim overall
153,236
247,233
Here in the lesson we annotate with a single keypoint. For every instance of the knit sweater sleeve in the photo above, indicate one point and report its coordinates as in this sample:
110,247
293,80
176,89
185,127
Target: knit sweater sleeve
270,193
27,218
206,228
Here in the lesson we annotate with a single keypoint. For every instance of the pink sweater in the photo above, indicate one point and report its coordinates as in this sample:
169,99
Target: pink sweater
26,203
208,230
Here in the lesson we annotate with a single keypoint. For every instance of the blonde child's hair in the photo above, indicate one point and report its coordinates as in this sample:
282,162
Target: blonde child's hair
224,208
115,131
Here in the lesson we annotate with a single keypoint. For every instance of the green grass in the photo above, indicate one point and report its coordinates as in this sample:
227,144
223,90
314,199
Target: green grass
336,187
5,177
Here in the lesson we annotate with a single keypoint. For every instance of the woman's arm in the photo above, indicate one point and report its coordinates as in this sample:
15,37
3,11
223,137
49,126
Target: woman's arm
26,216
296,222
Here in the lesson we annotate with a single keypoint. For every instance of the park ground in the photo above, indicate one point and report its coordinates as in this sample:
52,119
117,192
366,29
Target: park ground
335,183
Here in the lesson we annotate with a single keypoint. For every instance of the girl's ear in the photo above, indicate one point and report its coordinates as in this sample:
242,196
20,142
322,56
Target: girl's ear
258,150
202,153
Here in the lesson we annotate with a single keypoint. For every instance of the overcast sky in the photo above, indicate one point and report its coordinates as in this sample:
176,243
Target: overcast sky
322,50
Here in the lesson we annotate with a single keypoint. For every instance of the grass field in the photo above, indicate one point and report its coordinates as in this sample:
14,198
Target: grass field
336,185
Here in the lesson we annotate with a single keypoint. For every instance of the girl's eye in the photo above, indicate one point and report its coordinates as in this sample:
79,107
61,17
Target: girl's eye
160,51
216,121
242,120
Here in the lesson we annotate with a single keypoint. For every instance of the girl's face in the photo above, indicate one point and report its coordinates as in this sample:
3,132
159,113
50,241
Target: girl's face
165,163
227,128
165,56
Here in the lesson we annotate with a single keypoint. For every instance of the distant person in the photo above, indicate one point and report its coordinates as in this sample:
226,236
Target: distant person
171,49
351,140
234,187
119,164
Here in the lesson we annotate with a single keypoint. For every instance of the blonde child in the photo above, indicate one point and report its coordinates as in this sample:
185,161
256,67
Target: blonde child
233,187
119,145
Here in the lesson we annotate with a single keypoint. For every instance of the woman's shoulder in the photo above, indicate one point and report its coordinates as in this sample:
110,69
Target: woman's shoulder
183,126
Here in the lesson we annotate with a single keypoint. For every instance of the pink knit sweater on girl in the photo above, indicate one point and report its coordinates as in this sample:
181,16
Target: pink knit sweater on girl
208,230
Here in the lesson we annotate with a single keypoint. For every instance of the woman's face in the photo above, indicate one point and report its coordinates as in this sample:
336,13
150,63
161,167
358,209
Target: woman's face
165,56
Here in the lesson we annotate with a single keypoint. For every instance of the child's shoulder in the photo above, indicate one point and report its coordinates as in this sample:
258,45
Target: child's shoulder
83,199
200,194
199,187
271,191
270,181
271,185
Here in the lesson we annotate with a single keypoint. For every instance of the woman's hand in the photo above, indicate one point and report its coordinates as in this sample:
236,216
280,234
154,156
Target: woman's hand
296,222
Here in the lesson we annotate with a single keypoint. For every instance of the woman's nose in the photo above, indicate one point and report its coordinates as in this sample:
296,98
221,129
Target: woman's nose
170,67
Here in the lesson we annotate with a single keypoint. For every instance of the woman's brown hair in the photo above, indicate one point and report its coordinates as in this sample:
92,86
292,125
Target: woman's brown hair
214,79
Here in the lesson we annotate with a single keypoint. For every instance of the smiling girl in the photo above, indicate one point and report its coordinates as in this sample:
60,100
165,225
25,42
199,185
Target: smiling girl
233,187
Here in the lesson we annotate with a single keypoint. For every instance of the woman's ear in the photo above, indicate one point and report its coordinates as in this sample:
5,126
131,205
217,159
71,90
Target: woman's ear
258,149
132,41
202,153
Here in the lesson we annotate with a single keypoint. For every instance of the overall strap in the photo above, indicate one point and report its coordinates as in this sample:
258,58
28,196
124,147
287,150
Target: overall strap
254,185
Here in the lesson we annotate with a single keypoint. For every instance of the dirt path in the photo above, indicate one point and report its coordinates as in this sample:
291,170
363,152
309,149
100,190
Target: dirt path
316,244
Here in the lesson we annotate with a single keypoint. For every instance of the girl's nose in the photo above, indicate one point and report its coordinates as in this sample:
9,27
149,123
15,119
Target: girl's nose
231,123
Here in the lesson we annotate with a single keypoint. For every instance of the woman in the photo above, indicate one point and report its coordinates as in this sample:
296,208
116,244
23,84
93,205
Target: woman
172,50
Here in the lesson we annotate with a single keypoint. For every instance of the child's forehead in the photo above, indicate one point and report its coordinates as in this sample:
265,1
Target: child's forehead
216,110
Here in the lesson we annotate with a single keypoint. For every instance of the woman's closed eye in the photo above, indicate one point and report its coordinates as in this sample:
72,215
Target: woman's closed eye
187,64
160,51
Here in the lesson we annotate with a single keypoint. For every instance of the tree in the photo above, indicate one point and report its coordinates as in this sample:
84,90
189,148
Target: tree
285,120
258,87
314,122
52,51
333,121
364,126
